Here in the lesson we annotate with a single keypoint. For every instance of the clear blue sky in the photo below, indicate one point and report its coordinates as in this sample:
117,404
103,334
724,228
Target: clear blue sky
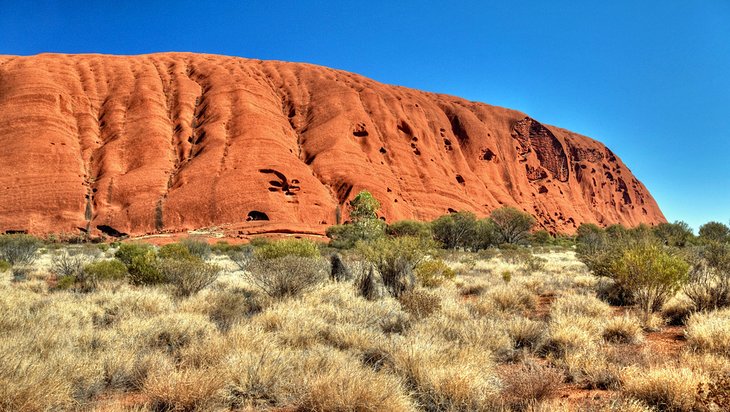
650,79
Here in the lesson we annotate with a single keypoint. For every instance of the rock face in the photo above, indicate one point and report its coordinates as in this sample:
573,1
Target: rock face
178,141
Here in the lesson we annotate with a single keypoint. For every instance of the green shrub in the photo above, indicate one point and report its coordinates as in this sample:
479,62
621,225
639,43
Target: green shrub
105,270
187,276
541,238
85,277
511,225
677,234
709,284
432,273
714,231
18,249
286,276
128,251
287,247
456,230
419,303
346,236
591,239
225,248
396,259
143,269
365,225
176,251
651,272
196,247
5,265
409,228
69,271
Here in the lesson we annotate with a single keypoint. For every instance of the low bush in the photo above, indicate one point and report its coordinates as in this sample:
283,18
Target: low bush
395,259
652,273
143,269
623,329
196,247
419,303
176,251
432,273
287,247
128,251
411,228
5,265
510,299
18,249
525,333
286,276
677,310
579,305
64,264
225,248
528,385
709,279
709,332
187,276
665,388
511,225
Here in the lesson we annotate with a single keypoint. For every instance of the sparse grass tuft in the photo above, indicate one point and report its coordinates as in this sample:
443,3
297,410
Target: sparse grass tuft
710,332
664,388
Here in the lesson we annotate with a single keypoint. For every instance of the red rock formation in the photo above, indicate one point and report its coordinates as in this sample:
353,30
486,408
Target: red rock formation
177,141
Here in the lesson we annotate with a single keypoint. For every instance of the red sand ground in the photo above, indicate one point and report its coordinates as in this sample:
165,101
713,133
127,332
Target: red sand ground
171,142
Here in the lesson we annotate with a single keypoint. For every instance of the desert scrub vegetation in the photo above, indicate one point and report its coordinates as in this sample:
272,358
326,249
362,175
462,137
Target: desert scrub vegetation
396,321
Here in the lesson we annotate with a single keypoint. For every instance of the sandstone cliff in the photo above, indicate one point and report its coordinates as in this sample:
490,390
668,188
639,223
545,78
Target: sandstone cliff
178,141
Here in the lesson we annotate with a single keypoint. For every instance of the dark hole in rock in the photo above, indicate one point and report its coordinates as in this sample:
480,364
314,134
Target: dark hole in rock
275,183
447,142
360,133
383,151
16,232
389,190
450,210
542,189
110,231
256,215
405,128
460,179
488,155
414,139
413,145
416,152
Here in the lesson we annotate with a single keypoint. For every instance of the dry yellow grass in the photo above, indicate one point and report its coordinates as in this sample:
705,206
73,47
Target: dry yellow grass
231,348
665,388
710,332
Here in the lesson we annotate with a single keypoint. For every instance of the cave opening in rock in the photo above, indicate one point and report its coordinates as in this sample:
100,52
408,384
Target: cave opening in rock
256,215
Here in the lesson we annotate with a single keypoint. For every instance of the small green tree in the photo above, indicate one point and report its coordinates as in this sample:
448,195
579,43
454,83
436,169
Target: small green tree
591,239
364,207
455,230
512,225
409,228
287,247
364,225
18,249
714,231
651,272
396,259
677,234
